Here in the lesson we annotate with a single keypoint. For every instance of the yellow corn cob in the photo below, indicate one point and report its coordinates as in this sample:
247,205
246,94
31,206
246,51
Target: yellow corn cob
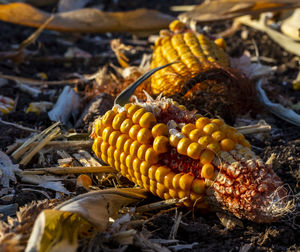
173,153
194,52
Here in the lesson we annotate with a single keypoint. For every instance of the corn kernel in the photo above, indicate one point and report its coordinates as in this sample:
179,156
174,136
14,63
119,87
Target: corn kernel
132,109
117,154
134,148
121,141
144,167
106,133
134,130
227,144
118,120
137,115
204,141
214,147
104,146
207,171
161,144
108,117
112,140
206,157
126,125
151,156
128,161
141,151
218,135
160,129
201,122
144,136
183,145
151,171
185,182
123,157
127,145
194,150
168,180
161,172
210,128
186,129
174,140
195,135
110,151
198,186
147,120
136,164
175,181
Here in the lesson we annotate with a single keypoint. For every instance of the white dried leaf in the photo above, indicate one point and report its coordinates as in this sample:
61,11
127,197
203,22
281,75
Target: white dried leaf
7,170
34,92
66,106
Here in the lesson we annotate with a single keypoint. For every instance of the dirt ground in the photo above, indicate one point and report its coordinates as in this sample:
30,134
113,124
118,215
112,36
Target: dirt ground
205,229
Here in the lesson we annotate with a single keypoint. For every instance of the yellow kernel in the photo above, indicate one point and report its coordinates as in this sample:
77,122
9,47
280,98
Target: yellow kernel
159,192
175,181
134,130
168,180
96,146
238,137
132,109
131,174
108,117
151,156
160,129
126,125
128,161
196,197
210,128
182,194
144,167
84,180
214,146
183,145
147,120
220,42
136,164
134,148
207,171
218,135
118,120
201,122
177,25
138,176
161,172
227,144
195,135
144,136
110,161
124,170
104,146
117,165
104,157
112,140
98,127
206,156
110,151
194,150
106,133
204,141
173,193
174,140
153,186
181,107
218,121
127,145
185,182
117,154
151,171
198,186
141,151
145,180
123,158
188,203
161,144
167,196
121,141
186,129
246,143
127,106
137,115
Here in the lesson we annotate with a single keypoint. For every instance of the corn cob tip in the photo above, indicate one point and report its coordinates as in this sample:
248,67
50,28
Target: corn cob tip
175,153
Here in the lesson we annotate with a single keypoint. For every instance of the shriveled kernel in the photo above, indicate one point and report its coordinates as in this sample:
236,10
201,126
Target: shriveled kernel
227,144
201,122
110,151
175,181
214,147
104,146
137,115
141,151
168,179
112,140
123,158
204,141
207,171
136,164
174,140
144,167
160,129
186,129
218,135
206,157
108,117
183,145
128,161
152,171
127,145
134,130
147,120
117,154
161,172
144,136
134,148
185,182
218,121
118,120
161,144
132,109
106,133
195,135
126,125
121,141
194,150
210,128
151,156
198,186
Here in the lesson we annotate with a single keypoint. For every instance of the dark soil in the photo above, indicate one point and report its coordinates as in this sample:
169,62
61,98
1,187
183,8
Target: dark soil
206,230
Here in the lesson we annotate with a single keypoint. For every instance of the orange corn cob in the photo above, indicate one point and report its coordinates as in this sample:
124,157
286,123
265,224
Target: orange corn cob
195,52
175,153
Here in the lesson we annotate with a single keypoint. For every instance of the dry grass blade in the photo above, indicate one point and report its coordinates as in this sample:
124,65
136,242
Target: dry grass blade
17,126
69,170
260,127
158,205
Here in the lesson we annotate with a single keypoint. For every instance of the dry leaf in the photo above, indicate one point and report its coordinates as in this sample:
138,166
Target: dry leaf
58,229
215,10
86,20
291,25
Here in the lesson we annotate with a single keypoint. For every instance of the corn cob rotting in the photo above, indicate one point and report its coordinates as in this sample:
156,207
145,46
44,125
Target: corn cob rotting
175,153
